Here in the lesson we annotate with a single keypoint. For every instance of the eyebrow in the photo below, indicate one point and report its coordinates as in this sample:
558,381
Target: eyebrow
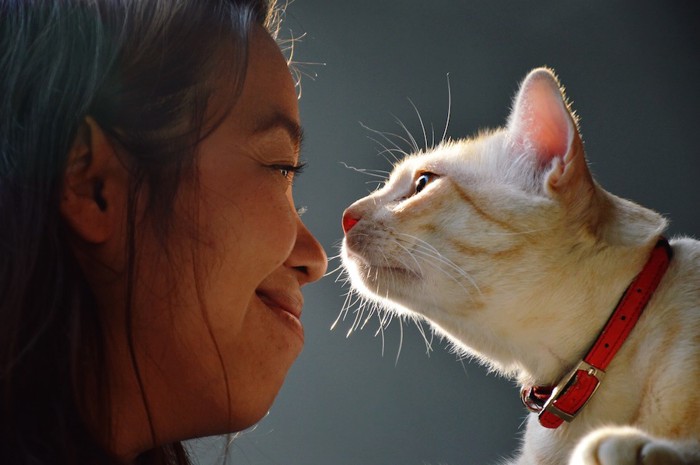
281,121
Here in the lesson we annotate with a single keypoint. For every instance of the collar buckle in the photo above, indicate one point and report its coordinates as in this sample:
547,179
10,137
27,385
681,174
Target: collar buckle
571,394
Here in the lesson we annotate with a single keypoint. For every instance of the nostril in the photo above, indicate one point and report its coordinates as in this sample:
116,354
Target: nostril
349,222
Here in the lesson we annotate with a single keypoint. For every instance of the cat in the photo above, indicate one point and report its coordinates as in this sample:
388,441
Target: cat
506,245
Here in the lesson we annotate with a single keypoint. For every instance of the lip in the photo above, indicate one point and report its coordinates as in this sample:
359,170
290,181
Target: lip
286,305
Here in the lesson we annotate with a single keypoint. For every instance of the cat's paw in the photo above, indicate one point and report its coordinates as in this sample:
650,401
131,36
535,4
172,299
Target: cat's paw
630,446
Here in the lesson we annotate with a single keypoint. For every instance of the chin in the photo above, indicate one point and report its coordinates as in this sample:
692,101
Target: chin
247,412
382,282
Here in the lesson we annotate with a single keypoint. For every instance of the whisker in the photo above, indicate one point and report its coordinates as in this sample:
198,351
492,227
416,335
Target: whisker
351,298
386,320
420,119
428,344
436,261
418,240
343,309
408,252
396,362
385,136
416,255
370,314
345,279
449,108
431,253
378,185
428,251
381,331
411,140
369,172
358,317
391,151
338,268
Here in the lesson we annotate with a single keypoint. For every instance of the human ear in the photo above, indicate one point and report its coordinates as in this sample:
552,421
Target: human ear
94,191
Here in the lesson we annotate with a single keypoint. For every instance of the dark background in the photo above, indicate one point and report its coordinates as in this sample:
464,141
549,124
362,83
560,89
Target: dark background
632,70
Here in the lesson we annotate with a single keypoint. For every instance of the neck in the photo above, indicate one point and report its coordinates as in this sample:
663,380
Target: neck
565,311
579,316
555,404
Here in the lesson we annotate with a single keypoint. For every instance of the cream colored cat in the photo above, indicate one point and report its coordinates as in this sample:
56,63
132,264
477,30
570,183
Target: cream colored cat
509,248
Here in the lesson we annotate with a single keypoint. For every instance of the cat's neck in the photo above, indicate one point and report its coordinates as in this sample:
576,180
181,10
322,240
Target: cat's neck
540,327
570,315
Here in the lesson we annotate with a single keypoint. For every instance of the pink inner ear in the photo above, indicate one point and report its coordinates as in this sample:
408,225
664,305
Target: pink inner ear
540,119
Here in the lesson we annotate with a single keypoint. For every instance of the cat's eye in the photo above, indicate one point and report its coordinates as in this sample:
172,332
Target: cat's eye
423,180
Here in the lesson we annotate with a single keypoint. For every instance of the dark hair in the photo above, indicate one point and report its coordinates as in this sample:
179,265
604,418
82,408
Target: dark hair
144,71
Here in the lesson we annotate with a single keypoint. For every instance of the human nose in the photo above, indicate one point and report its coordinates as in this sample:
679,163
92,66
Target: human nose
308,256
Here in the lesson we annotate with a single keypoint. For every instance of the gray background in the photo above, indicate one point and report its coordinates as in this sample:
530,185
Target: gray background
632,70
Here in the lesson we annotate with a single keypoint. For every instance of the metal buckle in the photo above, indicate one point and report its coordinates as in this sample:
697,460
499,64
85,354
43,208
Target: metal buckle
564,384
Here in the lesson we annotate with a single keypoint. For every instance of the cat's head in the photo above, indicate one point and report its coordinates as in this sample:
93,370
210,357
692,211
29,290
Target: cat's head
476,229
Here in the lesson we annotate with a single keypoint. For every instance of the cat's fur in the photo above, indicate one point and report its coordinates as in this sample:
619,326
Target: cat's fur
515,254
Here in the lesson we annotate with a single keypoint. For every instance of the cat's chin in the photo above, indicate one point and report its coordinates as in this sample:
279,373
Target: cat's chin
372,272
381,281
373,275
391,272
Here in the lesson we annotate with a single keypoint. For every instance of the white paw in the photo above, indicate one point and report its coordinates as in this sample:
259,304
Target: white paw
630,446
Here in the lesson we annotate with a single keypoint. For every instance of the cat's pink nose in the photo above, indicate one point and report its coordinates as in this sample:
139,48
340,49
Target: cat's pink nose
349,221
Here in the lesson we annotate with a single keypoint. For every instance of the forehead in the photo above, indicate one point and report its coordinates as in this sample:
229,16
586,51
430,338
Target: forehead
434,160
269,93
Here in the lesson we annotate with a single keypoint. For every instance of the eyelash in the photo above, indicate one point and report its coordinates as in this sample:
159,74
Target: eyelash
290,171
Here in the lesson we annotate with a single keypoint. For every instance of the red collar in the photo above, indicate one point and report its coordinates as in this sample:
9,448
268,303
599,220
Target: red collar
556,404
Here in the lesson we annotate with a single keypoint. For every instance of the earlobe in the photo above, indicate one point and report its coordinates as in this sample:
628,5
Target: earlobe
94,186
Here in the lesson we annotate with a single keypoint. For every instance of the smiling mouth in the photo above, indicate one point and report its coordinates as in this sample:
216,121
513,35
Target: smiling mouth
286,308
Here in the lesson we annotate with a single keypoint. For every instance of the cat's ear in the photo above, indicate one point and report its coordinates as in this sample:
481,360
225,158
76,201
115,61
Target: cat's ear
542,126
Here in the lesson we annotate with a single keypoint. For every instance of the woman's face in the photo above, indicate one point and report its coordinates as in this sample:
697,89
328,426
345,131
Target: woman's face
216,334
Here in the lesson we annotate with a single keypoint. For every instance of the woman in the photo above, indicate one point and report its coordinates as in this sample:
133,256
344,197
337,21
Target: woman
151,257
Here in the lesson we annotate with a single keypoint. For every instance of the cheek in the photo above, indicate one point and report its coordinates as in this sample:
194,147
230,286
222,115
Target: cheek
261,232
272,227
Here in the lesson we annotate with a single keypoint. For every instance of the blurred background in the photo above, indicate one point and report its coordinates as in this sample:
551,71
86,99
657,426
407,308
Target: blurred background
632,70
